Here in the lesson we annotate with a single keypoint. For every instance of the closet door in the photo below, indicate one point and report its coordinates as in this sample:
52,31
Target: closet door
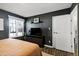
62,33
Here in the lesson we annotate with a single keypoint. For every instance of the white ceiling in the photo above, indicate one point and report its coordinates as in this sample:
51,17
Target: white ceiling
31,9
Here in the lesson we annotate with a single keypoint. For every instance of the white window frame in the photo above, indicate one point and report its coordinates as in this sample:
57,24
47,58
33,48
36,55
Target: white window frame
16,27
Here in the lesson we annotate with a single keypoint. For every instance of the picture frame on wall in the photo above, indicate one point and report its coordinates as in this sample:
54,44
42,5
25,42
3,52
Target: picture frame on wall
36,20
1,24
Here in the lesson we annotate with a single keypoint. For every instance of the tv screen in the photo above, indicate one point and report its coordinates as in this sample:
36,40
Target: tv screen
36,31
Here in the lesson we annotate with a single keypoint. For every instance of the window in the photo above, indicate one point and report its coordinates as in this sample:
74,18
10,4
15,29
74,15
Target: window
16,26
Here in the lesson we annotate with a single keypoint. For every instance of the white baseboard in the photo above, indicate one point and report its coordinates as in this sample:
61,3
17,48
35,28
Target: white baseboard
48,46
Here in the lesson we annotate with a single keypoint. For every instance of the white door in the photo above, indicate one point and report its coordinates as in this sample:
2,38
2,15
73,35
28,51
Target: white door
62,32
74,29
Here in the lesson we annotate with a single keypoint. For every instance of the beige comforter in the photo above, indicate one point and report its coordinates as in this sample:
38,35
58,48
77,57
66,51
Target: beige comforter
14,47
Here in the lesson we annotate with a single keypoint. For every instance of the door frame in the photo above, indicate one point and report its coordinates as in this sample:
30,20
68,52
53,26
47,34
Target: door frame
75,10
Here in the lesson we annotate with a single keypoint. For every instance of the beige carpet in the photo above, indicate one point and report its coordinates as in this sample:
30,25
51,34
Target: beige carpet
55,52
46,54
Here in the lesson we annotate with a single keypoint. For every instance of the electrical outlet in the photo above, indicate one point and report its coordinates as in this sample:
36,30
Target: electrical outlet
49,41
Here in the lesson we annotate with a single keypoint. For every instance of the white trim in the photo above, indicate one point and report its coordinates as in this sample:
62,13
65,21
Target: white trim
74,35
48,46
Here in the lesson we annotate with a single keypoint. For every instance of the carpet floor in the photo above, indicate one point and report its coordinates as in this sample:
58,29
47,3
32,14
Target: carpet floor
55,52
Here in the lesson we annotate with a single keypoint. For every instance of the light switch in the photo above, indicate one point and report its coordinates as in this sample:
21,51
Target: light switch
49,28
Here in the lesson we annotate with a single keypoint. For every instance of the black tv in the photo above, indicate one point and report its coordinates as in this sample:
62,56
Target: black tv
36,31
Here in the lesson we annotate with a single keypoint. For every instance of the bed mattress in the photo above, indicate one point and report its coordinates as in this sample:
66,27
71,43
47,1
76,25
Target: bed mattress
15,47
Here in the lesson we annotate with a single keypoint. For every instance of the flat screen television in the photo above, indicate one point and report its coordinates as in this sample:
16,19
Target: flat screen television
36,31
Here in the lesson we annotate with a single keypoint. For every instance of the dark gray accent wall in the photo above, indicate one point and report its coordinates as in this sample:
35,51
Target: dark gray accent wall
73,5
4,14
4,33
46,23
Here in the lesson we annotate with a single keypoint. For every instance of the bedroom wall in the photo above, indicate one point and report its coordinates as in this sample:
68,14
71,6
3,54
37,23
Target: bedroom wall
47,23
4,14
45,18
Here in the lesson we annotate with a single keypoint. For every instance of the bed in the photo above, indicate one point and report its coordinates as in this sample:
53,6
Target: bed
15,47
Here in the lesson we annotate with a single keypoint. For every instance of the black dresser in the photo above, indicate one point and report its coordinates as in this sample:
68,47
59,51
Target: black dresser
35,39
